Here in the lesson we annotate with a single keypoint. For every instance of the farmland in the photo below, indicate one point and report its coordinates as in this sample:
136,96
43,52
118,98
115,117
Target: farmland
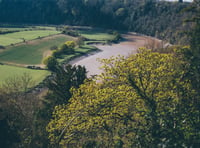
7,72
32,52
26,46
96,34
17,35
22,36
79,51
29,45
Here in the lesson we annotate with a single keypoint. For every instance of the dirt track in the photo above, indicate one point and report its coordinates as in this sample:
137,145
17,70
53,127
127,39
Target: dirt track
129,46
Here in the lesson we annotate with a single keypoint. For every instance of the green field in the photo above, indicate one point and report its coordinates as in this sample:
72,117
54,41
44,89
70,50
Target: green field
26,28
85,49
17,37
42,28
32,53
79,51
11,71
8,29
96,35
36,43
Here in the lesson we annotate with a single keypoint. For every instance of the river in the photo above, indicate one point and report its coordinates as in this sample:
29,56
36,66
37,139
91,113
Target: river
130,45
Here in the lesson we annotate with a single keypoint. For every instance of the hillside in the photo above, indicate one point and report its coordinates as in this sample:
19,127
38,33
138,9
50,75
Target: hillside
163,20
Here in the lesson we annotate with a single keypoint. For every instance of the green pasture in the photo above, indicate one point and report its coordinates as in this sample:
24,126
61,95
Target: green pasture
43,28
26,28
96,35
84,49
31,53
4,29
7,72
17,37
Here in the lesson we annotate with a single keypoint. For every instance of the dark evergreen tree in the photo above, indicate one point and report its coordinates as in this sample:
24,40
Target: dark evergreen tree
64,78
8,134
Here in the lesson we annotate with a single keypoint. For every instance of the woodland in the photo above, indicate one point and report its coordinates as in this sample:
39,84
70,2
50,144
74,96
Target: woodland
149,99
150,17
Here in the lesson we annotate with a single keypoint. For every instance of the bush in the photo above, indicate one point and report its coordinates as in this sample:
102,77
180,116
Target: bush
34,67
56,53
68,47
2,47
51,63
54,47
70,44
68,31
80,41
117,37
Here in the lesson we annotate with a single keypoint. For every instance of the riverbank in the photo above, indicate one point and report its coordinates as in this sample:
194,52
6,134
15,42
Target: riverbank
129,45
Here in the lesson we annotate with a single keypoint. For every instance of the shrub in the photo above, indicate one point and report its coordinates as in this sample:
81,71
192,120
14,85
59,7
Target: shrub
68,47
70,44
80,41
50,62
56,53
54,47
2,47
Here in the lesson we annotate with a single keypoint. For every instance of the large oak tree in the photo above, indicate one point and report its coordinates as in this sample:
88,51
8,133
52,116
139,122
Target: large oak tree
139,101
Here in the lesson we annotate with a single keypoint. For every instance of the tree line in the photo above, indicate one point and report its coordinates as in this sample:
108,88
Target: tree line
152,17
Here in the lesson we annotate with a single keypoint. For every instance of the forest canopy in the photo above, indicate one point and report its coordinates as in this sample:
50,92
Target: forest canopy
143,103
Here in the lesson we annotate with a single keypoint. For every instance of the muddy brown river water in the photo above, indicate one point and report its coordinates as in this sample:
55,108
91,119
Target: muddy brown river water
129,46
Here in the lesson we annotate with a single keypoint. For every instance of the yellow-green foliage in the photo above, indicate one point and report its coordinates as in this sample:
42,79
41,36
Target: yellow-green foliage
50,62
110,111
47,59
70,44
66,48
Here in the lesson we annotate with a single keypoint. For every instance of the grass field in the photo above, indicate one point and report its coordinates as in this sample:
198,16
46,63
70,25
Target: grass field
84,49
17,37
7,29
34,43
33,52
96,35
32,48
11,71
26,28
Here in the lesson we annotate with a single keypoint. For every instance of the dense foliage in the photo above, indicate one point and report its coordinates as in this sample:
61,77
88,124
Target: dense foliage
50,62
145,103
63,79
152,17
22,117
17,109
153,101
